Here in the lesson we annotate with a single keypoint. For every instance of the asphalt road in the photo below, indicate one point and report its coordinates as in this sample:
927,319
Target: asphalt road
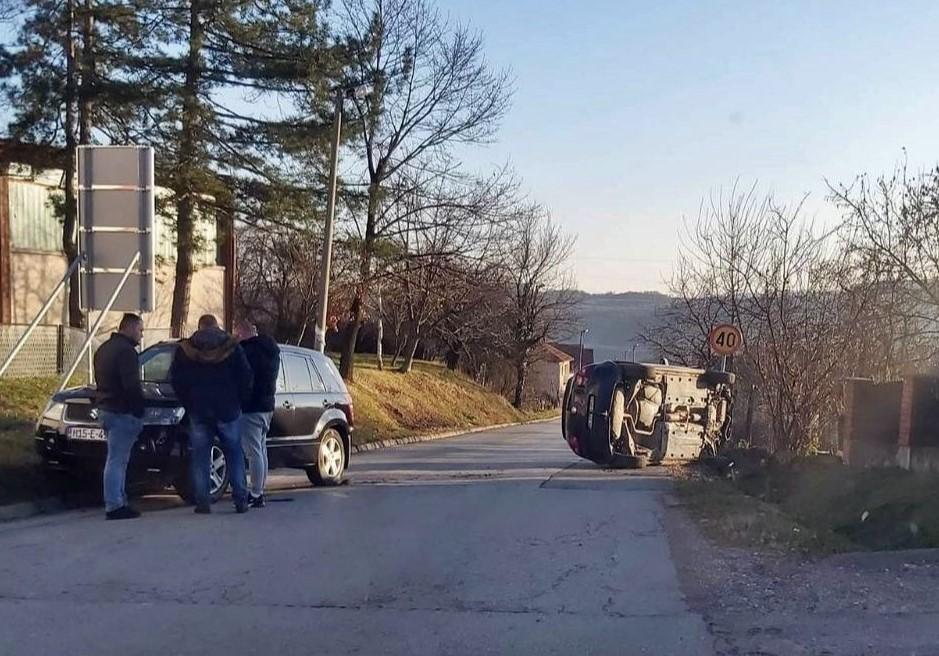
497,543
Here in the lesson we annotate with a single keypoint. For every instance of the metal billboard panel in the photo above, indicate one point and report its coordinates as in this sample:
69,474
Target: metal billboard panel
119,166
116,214
118,208
136,294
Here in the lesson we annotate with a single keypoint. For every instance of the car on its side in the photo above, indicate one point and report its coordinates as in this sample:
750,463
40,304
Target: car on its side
625,414
311,428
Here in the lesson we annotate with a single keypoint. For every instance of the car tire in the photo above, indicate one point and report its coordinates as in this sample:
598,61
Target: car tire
330,460
719,377
628,462
219,478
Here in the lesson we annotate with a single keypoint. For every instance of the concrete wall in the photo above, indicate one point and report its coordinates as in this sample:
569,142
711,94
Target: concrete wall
35,274
918,448
892,424
546,380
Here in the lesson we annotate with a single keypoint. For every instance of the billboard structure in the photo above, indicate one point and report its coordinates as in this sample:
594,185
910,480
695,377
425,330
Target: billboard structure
116,215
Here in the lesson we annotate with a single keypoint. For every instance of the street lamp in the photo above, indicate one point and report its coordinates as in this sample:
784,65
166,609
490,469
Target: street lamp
580,352
341,93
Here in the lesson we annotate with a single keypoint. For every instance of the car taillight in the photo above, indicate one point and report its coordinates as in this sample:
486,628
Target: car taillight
349,410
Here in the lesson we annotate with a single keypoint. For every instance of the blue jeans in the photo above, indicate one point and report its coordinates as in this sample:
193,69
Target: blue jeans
254,427
202,432
122,432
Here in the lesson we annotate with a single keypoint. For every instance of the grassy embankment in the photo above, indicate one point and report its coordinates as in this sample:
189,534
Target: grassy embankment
816,506
387,405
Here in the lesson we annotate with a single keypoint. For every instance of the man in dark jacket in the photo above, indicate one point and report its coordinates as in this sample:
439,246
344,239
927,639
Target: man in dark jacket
212,379
264,357
119,400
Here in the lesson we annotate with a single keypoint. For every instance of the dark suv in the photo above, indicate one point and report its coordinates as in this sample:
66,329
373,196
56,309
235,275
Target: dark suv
311,428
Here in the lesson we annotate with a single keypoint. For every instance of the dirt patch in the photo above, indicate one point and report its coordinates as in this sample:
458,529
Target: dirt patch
778,601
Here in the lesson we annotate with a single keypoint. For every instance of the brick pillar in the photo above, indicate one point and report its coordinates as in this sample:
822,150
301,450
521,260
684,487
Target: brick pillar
849,423
906,422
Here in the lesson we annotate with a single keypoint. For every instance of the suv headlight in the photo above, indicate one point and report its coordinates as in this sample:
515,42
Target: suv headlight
54,411
163,416
53,414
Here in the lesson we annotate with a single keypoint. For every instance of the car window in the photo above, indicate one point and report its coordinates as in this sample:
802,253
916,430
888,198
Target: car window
281,378
298,374
318,385
330,375
155,364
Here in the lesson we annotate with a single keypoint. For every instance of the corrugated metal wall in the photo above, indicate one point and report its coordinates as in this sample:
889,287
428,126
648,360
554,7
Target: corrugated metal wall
33,224
35,227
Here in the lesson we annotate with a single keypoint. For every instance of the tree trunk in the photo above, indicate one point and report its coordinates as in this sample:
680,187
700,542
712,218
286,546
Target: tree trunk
414,338
453,356
351,337
399,347
379,351
185,191
521,376
89,72
349,340
70,218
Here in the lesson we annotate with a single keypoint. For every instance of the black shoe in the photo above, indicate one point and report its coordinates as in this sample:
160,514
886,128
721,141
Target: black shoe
256,502
124,512
205,509
241,507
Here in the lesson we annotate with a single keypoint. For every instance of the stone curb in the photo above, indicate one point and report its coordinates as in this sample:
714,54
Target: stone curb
416,439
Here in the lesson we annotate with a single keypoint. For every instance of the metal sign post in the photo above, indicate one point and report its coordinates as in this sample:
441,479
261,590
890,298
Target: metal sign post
115,212
101,315
42,312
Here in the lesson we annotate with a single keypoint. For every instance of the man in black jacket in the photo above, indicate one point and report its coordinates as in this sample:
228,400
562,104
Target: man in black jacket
212,379
119,400
264,357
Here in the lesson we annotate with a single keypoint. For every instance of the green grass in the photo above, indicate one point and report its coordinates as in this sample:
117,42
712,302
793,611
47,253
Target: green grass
21,402
733,518
819,507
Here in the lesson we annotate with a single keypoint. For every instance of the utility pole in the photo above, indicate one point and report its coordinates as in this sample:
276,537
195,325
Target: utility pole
359,91
580,352
320,332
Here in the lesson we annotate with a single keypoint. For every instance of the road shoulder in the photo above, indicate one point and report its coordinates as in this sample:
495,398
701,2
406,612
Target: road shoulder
766,602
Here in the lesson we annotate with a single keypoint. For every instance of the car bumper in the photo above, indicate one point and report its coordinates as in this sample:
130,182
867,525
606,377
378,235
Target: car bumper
158,449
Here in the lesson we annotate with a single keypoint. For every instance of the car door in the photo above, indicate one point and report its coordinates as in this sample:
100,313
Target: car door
307,392
283,406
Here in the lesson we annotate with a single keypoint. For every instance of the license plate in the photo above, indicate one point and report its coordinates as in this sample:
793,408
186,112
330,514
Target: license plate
94,434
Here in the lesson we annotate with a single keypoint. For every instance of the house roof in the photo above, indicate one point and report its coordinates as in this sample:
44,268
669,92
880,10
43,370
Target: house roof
549,353
573,349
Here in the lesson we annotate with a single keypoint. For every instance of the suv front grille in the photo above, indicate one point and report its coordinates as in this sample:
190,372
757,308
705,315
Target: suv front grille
79,412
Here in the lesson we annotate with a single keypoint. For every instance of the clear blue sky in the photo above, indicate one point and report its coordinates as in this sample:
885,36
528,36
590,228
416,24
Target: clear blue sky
627,113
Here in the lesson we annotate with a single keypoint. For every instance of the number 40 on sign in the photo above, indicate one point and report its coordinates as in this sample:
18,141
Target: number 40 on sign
725,339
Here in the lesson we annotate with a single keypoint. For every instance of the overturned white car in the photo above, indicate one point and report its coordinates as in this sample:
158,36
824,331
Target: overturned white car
627,414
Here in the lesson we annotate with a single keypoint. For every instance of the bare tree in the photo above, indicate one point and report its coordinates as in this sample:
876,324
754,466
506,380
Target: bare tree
540,297
794,293
275,281
892,234
431,89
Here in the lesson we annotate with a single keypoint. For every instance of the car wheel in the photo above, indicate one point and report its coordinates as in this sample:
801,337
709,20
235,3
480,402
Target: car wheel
718,377
330,460
218,478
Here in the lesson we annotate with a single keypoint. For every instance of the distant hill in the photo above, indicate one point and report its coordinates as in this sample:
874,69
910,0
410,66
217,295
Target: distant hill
615,321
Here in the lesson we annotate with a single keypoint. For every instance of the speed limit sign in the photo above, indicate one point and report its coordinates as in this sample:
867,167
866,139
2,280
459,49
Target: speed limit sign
725,339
